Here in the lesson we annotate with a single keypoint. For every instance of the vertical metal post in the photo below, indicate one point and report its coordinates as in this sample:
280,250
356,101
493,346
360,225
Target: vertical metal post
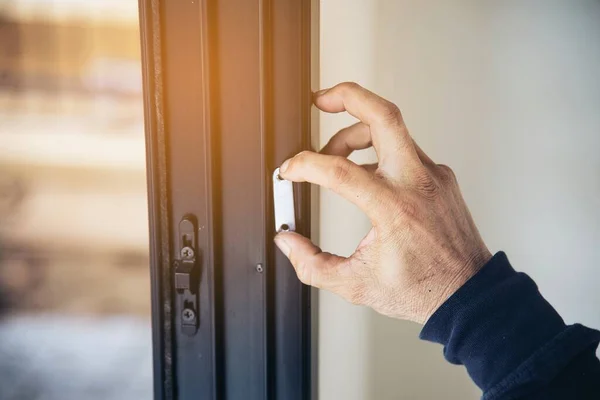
227,99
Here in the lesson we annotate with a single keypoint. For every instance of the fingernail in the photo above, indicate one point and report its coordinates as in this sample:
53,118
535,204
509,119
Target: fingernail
283,246
320,92
284,166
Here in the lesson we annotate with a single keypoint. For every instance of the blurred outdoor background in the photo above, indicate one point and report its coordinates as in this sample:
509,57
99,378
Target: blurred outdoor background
74,279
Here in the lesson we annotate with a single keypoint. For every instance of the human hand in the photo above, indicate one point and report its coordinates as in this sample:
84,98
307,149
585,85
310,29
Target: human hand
423,245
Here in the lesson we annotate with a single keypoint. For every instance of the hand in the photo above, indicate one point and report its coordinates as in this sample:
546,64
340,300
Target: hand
423,245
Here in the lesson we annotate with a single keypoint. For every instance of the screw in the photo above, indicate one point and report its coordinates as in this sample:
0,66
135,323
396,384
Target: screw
259,268
188,315
187,253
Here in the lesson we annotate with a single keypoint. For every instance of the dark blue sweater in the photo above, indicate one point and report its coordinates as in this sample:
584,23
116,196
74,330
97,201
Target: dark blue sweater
512,342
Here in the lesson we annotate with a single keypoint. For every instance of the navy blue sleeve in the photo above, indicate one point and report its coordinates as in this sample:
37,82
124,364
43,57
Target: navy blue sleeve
512,342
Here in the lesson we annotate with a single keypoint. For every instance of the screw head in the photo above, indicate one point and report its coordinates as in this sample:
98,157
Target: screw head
188,315
187,253
259,268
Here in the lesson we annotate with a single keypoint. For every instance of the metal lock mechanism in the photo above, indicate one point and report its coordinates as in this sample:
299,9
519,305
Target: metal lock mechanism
186,279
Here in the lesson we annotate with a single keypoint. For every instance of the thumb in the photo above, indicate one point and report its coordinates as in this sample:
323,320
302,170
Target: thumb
313,266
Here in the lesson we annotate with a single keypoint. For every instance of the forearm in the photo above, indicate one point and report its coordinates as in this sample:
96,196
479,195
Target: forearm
580,379
512,342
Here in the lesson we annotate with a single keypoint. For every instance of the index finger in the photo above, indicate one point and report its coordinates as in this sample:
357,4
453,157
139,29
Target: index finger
341,175
389,135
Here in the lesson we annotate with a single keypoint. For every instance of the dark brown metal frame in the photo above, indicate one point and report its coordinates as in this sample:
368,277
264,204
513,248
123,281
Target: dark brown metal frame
227,99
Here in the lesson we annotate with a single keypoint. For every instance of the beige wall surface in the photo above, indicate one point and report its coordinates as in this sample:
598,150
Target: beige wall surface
508,94
347,34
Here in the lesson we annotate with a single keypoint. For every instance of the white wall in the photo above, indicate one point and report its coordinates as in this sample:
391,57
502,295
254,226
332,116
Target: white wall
348,33
508,94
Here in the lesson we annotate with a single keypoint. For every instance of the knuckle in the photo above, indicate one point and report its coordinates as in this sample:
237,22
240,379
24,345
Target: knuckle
302,156
349,85
340,171
425,183
299,160
391,113
445,173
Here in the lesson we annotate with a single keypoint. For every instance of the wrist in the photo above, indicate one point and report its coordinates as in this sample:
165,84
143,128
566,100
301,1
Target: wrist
463,272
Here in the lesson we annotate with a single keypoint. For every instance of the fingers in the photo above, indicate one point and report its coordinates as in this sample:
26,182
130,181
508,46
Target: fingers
342,176
353,137
313,267
358,102
349,139
389,135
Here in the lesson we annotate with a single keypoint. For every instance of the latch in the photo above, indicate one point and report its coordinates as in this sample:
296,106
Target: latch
186,277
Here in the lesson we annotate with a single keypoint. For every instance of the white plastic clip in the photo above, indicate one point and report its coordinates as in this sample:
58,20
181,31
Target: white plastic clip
283,200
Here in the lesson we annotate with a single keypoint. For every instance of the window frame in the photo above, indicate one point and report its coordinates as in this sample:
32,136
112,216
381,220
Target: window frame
226,100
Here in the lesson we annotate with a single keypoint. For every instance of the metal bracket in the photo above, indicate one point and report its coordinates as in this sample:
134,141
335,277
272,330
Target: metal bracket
186,276
283,200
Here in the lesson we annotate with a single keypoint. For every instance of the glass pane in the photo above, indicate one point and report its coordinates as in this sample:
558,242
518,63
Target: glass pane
74,278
